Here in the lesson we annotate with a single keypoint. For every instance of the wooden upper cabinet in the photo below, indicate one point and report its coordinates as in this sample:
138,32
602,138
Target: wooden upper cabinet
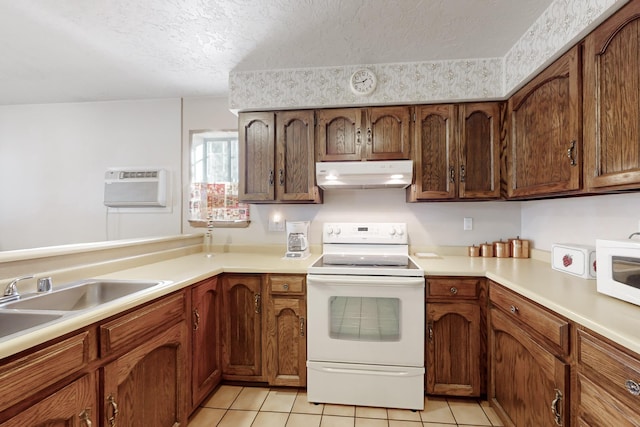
387,133
281,170
378,133
257,144
339,134
434,152
479,150
545,141
295,156
612,102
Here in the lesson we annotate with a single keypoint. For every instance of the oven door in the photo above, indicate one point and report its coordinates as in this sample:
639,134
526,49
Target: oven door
376,320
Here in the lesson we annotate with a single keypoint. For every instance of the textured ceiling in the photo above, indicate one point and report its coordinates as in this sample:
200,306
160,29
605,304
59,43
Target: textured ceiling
88,50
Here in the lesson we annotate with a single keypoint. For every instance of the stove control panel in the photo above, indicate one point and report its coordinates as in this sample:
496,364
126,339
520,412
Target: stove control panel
365,232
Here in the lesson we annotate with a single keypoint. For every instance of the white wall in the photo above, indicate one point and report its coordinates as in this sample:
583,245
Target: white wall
580,220
52,163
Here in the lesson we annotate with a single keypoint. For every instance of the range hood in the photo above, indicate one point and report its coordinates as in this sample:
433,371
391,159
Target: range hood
373,174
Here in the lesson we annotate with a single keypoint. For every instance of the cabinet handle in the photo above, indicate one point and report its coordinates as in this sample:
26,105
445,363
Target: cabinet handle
632,387
271,177
369,136
513,309
302,326
571,153
453,290
196,319
555,407
430,329
114,409
85,417
281,174
452,175
463,173
358,136
285,286
256,301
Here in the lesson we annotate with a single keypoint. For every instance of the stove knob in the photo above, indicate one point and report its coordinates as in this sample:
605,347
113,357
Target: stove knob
392,231
330,231
400,231
338,231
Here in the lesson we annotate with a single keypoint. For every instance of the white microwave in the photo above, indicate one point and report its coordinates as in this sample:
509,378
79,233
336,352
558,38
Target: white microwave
618,269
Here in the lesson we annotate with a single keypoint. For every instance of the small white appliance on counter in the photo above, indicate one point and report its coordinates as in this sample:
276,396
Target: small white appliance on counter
618,272
365,318
579,260
297,239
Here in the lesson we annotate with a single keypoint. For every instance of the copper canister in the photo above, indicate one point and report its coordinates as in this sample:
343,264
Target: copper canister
474,251
501,249
486,250
519,248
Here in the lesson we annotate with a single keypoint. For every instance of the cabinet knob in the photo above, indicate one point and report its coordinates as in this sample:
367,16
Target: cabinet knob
285,286
453,290
513,309
632,387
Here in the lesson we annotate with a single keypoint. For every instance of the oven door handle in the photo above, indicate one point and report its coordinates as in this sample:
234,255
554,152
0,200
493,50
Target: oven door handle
395,281
359,371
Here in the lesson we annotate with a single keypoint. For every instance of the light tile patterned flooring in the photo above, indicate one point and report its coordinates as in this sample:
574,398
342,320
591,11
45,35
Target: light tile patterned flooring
236,406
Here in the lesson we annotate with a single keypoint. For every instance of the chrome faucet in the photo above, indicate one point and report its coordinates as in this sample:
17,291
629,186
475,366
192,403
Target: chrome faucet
11,291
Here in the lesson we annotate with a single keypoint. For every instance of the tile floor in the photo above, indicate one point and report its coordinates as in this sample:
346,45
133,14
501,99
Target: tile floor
236,406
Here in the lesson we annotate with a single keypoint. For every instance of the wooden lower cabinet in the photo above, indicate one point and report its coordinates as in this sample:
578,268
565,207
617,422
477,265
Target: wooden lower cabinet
146,386
206,370
75,405
285,333
241,332
607,383
529,379
455,339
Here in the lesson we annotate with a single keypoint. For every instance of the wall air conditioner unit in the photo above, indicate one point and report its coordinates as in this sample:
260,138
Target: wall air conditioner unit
135,188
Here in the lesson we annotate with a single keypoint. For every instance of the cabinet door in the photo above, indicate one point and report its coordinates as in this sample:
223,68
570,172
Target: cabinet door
73,406
257,156
295,156
286,342
242,327
434,153
387,133
528,385
612,101
453,349
479,159
206,369
545,141
340,134
148,385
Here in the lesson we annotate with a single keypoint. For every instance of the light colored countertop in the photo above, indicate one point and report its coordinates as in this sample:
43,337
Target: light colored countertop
569,296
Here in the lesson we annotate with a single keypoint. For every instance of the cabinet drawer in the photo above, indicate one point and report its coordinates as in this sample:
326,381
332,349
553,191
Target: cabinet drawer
596,407
27,375
290,285
550,327
453,288
620,371
129,328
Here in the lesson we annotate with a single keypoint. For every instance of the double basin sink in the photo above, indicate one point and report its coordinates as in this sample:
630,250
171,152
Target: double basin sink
38,309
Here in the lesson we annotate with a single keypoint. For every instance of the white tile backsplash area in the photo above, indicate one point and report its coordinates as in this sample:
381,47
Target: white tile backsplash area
580,220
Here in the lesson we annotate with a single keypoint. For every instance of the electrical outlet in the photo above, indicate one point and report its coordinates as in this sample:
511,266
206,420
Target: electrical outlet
467,224
276,222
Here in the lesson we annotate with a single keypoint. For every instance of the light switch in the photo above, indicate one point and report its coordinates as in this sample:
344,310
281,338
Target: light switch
468,224
276,222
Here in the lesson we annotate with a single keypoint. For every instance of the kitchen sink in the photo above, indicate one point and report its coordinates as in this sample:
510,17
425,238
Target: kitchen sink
12,322
82,295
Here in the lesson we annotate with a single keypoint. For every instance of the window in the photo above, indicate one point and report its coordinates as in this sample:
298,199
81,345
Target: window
214,180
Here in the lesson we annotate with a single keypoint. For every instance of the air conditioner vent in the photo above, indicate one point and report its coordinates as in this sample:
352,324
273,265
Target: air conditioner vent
135,188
